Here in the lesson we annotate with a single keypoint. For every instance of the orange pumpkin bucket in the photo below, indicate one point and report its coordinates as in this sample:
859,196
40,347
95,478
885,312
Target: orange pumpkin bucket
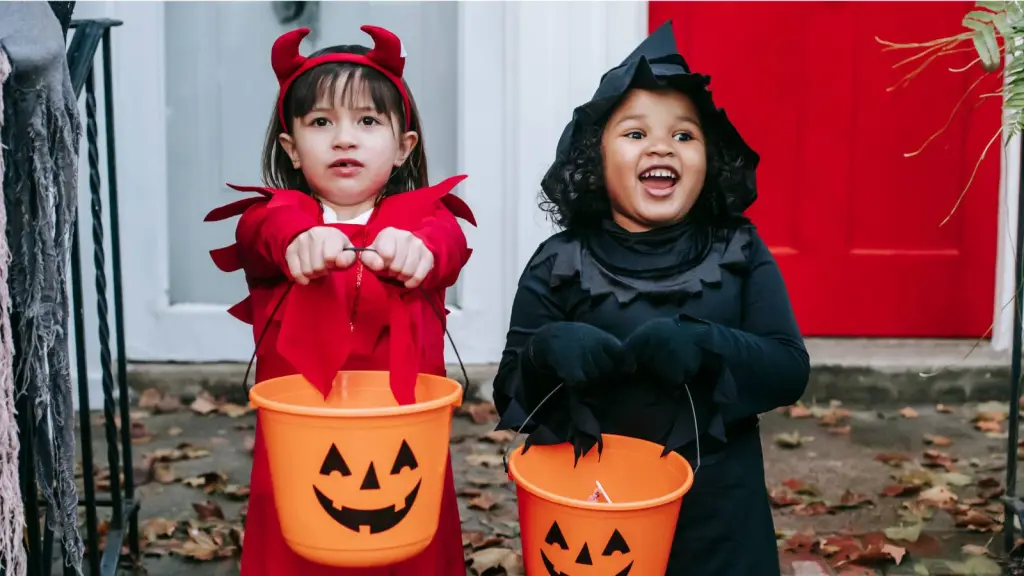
628,530
357,477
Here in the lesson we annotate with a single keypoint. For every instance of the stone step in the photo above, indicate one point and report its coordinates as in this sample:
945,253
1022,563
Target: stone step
859,372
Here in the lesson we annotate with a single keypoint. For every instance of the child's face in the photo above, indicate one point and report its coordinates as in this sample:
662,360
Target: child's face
654,159
347,152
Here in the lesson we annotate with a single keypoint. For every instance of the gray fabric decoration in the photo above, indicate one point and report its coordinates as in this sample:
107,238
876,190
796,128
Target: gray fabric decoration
12,508
41,135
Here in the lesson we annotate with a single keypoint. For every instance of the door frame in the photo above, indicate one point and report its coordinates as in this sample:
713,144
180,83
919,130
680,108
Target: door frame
502,156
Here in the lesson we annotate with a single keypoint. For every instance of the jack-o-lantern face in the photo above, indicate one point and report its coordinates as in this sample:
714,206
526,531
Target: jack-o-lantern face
616,545
379,519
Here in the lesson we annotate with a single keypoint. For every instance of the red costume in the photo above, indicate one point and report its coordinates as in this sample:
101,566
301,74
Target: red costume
349,319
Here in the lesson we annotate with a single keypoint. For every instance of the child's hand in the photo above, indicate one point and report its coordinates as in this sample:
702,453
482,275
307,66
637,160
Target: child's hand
402,254
316,251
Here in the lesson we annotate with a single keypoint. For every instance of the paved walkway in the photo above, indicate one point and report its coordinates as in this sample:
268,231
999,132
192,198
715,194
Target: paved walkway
856,493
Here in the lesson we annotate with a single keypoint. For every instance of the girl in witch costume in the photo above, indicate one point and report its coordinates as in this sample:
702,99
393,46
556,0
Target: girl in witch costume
658,312
350,237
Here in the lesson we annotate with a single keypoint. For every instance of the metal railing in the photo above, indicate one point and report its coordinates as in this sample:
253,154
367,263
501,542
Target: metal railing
91,37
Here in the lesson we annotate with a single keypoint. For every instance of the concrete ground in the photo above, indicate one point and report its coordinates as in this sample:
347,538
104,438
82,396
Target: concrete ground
834,475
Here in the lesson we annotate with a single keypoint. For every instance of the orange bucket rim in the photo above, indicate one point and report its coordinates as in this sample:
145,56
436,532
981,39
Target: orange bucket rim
604,506
453,398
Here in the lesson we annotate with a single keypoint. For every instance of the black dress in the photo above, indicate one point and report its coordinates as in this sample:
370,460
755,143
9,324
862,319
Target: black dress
755,361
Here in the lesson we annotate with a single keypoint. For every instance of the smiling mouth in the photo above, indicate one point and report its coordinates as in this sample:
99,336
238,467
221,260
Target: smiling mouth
378,520
552,571
659,178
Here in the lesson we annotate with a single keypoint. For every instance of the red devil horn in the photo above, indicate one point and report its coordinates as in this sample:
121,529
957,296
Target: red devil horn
285,57
388,50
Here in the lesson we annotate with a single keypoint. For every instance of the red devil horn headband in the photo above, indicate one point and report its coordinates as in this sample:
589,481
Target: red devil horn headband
387,57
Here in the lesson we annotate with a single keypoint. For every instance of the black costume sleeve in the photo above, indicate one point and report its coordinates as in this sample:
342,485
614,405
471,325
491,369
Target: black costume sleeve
765,361
534,307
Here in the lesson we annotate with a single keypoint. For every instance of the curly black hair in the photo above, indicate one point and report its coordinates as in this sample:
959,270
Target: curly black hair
574,196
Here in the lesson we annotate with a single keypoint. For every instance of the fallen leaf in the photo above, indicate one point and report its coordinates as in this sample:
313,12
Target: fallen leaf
901,490
209,482
908,533
233,410
988,426
485,501
791,439
991,412
798,411
477,540
909,413
162,473
207,510
817,508
943,409
479,412
938,495
851,499
149,398
892,458
935,440
493,558
800,487
938,458
955,479
203,404
499,436
838,430
782,497
174,431
486,460
974,550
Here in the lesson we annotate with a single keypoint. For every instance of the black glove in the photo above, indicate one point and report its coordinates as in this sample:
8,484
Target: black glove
667,349
578,354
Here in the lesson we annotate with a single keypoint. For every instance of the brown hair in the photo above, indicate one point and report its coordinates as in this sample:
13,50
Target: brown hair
321,83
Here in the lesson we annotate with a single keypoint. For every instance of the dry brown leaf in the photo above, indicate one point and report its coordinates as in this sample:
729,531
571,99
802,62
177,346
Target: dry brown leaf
477,540
799,486
209,482
485,501
798,411
174,431
232,410
208,510
935,440
203,404
492,558
943,409
163,474
479,412
892,458
486,460
150,398
988,426
974,550
499,436
792,439
938,496
909,413
838,430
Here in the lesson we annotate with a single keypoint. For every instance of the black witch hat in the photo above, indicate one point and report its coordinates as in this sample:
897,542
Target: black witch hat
657,64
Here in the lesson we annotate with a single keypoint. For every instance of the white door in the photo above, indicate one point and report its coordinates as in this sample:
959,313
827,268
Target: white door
220,92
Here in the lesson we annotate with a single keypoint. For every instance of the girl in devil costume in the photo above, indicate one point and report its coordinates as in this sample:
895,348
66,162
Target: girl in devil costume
348,231
659,312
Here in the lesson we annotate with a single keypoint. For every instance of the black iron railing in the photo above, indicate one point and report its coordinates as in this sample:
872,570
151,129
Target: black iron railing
89,38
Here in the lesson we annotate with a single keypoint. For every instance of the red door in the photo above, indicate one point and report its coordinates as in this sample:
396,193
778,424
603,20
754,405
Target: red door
854,224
